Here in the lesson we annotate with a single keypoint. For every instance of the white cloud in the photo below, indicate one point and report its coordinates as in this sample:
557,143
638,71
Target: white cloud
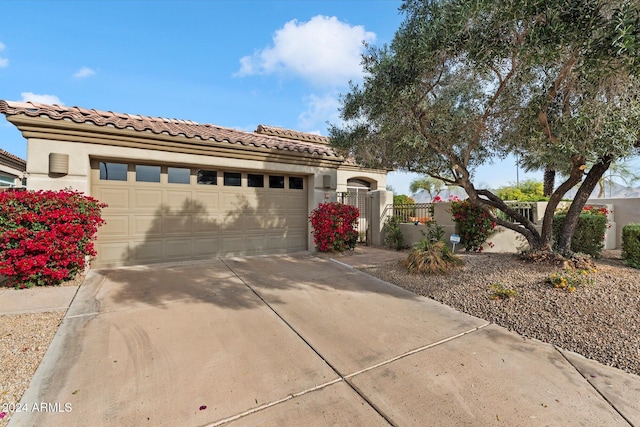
84,72
320,109
324,51
4,62
42,99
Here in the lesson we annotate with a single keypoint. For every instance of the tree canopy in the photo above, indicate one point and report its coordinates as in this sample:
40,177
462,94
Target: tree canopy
554,82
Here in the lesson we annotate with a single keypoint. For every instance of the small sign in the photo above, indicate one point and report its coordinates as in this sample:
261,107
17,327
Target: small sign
454,238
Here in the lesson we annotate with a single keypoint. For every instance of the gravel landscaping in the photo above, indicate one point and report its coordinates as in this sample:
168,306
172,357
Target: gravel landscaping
600,320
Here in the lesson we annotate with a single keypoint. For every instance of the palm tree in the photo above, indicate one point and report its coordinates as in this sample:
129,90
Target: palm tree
622,171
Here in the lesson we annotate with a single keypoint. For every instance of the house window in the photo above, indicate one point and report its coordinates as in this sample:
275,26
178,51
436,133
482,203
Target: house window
113,171
146,173
207,177
233,179
295,182
179,175
255,180
276,181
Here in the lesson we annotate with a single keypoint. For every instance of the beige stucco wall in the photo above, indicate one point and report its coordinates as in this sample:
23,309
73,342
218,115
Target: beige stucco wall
38,151
625,211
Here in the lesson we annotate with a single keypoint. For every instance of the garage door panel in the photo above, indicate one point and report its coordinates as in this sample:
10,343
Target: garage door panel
112,253
207,223
177,249
147,199
115,226
147,225
206,246
146,250
177,223
207,200
233,245
296,241
276,243
254,244
179,200
116,198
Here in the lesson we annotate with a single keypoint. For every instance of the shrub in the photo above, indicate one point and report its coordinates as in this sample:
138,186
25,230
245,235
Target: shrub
500,291
571,279
588,236
429,257
392,233
46,235
334,227
631,245
472,224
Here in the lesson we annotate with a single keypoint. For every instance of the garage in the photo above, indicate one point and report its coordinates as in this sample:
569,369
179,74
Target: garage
179,190
167,213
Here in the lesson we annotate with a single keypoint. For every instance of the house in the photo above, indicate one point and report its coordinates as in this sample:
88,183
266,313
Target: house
12,170
179,190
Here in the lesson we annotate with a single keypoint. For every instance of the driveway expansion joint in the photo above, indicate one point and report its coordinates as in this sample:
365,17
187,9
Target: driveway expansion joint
613,406
308,344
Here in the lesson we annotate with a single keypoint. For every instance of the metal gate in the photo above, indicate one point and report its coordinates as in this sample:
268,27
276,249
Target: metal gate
357,196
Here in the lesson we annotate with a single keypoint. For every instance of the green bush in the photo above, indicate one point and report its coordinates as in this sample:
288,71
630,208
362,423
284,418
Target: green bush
392,234
428,257
631,244
528,191
588,237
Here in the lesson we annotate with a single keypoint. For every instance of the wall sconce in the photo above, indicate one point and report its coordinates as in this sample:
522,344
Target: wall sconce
58,164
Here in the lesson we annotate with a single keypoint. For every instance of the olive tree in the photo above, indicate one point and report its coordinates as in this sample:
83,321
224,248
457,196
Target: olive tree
553,82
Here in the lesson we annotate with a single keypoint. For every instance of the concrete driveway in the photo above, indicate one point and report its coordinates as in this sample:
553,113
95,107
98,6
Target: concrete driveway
298,340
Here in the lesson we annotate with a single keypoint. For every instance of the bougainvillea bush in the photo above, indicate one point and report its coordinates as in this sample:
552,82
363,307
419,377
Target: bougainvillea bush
472,224
334,227
46,235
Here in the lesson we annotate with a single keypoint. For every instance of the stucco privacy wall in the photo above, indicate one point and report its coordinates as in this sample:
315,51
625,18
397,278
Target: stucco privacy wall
85,135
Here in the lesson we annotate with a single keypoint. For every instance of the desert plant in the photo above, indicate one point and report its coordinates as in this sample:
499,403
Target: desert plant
631,244
334,227
434,232
500,291
392,233
571,279
429,257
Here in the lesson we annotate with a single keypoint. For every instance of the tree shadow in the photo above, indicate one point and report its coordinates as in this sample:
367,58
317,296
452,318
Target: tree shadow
215,263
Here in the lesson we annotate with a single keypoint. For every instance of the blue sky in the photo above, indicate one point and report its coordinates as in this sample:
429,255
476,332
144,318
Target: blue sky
233,63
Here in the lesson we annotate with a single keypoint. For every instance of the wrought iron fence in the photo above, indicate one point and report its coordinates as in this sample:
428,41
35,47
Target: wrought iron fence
411,212
526,209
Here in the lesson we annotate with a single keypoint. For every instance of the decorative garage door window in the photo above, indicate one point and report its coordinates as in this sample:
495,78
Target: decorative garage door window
113,171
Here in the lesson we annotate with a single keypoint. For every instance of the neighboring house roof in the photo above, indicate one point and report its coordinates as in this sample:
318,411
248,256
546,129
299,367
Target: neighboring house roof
266,136
12,161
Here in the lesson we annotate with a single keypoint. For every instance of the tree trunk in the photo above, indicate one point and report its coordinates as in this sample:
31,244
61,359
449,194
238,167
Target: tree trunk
549,182
571,220
546,234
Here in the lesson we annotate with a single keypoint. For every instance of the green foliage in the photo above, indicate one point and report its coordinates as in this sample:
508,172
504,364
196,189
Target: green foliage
631,244
403,199
527,191
430,185
472,224
429,257
434,232
571,279
392,234
500,291
554,82
588,237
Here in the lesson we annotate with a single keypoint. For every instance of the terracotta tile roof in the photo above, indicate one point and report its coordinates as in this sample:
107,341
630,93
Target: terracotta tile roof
20,163
291,134
273,138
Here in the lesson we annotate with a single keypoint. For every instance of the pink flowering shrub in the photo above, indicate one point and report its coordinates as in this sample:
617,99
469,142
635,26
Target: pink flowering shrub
472,224
45,235
334,227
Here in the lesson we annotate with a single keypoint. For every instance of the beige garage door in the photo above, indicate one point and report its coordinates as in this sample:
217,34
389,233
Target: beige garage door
161,213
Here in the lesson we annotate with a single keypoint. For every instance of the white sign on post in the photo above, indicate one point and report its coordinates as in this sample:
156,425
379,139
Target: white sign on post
454,239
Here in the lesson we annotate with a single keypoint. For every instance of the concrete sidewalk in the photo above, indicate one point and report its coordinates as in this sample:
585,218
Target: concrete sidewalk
299,340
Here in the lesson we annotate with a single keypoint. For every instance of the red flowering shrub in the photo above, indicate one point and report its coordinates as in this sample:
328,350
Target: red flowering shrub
472,224
45,235
334,227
